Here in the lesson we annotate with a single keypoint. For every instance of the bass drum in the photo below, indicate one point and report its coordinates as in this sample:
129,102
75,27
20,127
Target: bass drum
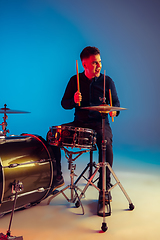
27,159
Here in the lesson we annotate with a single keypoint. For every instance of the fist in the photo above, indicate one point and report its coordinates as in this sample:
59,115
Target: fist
77,97
113,114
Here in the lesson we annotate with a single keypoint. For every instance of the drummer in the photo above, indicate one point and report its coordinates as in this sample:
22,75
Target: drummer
91,85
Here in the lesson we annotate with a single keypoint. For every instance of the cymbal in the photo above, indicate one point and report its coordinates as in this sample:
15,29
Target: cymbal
103,108
8,110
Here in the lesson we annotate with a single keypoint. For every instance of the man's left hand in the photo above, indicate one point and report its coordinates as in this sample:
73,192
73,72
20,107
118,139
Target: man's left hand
113,113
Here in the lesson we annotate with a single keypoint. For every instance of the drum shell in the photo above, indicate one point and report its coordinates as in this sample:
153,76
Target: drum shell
36,175
71,136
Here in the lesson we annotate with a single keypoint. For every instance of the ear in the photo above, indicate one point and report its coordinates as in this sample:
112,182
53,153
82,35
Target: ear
84,64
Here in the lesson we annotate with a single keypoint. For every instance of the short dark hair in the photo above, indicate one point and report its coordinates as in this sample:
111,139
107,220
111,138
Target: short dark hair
89,51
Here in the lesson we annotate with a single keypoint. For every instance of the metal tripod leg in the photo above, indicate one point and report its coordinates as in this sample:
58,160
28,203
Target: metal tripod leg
16,187
89,165
72,199
71,186
90,182
106,205
131,206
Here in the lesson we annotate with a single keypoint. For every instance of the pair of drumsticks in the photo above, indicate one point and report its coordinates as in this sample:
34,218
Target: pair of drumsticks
78,88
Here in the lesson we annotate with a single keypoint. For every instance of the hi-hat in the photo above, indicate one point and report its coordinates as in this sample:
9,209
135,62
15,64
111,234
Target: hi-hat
103,108
8,110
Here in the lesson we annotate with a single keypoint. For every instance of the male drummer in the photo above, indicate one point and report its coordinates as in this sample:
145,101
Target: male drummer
91,93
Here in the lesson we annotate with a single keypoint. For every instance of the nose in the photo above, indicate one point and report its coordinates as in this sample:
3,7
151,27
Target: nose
99,65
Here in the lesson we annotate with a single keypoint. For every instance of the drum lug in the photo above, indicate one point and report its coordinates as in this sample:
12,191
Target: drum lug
26,206
74,139
17,187
41,189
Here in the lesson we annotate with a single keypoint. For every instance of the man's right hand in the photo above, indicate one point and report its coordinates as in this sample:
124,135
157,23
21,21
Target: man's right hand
77,97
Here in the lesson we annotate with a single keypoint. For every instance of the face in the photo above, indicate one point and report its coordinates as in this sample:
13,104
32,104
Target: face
92,66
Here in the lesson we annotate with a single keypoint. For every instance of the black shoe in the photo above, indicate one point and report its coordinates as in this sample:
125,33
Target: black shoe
54,192
108,196
59,182
107,209
108,185
108,193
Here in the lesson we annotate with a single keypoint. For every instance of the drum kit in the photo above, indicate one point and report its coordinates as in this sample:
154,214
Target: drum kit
27,164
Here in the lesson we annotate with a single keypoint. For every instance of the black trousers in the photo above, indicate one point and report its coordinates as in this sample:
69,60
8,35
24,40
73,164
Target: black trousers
97,126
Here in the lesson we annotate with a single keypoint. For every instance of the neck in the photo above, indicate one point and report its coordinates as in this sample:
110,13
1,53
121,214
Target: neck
87,75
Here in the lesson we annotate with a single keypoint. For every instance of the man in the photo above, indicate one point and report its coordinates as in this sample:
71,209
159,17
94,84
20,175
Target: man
91,93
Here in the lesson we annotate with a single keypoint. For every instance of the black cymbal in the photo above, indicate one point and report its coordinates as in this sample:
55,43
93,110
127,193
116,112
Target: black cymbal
8,110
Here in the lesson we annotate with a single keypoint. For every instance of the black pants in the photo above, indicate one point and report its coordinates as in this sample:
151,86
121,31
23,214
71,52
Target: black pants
97,126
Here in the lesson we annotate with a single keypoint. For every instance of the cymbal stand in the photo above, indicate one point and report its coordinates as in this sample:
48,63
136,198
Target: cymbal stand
105,164
103,114
90,182
104,225
16,187
4,124
72,186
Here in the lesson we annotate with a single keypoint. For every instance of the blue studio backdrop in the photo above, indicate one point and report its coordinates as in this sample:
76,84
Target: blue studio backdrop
40,41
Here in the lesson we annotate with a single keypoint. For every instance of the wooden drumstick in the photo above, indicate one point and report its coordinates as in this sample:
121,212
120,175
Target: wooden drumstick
78,87
110,99
104,88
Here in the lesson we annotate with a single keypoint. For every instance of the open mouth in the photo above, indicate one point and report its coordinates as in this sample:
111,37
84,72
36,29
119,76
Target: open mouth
97,71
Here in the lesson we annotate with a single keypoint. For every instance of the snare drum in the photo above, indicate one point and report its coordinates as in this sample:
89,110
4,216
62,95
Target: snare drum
26,159
71,136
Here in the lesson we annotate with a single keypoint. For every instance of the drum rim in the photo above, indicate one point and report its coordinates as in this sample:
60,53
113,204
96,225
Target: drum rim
1,182
62,127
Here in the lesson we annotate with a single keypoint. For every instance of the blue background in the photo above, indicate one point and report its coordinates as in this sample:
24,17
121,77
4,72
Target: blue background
40,41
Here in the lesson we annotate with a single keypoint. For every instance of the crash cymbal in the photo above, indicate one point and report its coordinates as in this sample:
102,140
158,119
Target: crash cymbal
8,110
103,108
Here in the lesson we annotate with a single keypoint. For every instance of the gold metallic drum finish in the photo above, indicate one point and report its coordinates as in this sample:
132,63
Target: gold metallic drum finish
26,159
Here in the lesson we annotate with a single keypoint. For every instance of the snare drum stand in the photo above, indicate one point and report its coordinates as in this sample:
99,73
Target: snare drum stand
72,186
16,187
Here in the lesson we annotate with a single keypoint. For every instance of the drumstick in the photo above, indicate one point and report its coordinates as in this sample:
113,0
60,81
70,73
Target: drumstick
110,99
104,88
78,87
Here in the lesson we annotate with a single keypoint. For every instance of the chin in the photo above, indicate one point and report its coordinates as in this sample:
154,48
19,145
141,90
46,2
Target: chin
97,74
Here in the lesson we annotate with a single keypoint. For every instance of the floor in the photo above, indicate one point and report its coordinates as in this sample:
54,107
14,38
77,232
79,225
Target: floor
62,220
